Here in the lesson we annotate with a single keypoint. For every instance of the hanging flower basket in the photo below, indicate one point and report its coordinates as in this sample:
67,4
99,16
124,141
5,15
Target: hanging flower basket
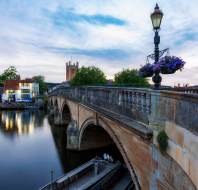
170,64
166,65
165,70
146,70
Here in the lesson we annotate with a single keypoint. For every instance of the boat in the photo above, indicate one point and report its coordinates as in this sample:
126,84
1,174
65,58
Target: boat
89,176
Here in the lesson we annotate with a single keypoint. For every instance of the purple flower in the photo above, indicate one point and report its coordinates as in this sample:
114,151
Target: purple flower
156,67
166,65
146,70
171,63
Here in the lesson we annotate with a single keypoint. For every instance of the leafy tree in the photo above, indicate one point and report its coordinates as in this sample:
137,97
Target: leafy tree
9,74
89,76
41,81
130,77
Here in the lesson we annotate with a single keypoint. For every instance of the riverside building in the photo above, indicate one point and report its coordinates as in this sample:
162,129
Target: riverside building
20,90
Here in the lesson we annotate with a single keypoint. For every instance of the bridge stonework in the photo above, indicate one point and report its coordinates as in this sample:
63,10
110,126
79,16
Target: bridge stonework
132,119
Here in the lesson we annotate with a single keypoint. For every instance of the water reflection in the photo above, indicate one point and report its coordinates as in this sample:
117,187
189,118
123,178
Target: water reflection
20,122
31,146
69,159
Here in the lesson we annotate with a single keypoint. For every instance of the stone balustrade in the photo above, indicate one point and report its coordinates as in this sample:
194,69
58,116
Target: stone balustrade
152,107
187,90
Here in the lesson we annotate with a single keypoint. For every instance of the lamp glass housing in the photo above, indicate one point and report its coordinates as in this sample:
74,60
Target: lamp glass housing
156,18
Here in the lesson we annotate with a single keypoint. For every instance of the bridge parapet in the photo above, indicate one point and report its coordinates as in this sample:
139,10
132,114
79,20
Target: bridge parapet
187,90
154,108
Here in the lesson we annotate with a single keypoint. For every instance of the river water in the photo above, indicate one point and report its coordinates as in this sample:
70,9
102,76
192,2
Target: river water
30,148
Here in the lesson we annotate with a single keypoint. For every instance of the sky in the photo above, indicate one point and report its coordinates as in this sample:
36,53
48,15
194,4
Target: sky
39,37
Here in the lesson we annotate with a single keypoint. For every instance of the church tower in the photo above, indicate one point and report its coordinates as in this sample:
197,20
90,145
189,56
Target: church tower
71,69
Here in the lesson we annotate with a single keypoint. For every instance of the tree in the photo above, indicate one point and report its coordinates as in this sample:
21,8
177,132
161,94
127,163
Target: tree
41,81
9,74
130,77
89,76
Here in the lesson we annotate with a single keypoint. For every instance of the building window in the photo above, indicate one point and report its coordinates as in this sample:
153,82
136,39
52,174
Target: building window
24,84
25,96
25,90
11,96
11,91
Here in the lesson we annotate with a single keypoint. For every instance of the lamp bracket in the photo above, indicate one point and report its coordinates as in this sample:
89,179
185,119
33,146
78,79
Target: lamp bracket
161,53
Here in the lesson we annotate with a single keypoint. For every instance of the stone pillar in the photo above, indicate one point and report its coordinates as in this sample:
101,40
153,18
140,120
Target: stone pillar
72,135
50,110
57,119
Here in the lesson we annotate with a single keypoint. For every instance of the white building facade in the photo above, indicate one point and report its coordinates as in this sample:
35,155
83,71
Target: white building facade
20,90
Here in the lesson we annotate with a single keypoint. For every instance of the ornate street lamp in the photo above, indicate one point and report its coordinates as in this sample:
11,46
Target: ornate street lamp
162,64
156,18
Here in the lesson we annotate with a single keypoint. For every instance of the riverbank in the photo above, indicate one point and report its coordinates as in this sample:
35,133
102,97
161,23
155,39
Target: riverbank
20,105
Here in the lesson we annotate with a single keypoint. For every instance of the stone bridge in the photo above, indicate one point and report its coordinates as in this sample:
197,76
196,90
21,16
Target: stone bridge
131,118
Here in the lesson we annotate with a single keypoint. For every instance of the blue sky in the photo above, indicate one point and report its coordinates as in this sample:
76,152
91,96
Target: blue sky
38,37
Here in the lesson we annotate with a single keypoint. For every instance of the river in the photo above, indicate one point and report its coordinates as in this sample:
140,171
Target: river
30,148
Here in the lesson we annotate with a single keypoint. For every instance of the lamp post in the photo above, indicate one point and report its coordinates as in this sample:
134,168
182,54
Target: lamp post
156,18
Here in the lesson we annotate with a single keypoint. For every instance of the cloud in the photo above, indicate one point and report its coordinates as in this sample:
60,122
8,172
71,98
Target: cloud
37,36
108,54
64,17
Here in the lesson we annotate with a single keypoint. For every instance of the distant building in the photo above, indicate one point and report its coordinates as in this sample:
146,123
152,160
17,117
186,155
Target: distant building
71,69
20,90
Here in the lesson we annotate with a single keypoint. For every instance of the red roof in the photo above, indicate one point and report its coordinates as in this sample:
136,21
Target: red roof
26,81
11,85
14,84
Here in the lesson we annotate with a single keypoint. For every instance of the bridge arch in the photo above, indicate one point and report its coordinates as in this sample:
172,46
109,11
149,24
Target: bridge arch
95,134
51,102
65,114
50,105
56,111
55,105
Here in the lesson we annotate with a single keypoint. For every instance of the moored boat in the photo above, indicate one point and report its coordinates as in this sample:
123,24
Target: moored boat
86,176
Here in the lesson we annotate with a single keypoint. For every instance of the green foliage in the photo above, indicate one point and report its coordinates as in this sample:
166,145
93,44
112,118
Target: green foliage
9,74
89,76
130,77
162,140
41,81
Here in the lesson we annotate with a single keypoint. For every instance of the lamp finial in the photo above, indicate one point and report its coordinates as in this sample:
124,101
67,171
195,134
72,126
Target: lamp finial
156,6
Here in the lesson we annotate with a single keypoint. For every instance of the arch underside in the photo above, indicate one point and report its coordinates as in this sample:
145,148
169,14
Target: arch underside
66,114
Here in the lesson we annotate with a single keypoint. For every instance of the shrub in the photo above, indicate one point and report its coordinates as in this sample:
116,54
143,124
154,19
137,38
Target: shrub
162,140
